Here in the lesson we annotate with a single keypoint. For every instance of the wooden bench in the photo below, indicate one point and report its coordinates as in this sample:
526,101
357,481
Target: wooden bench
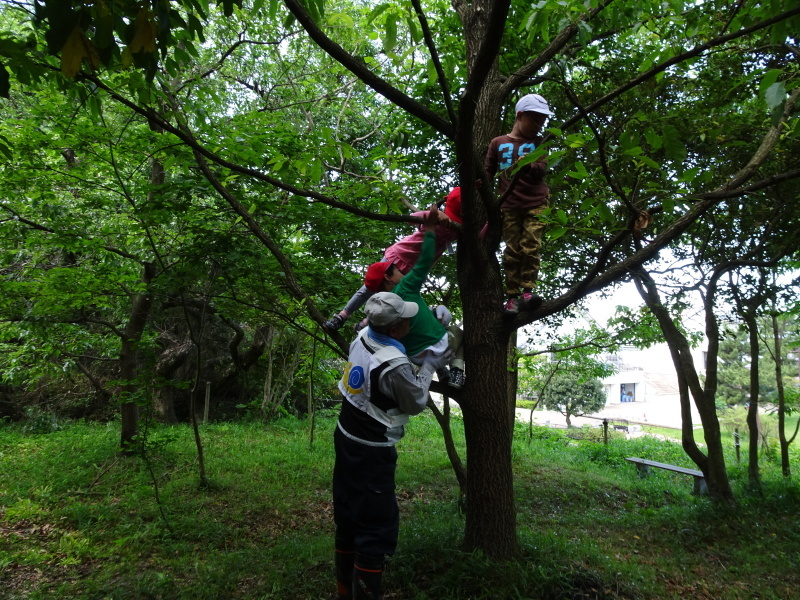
643,466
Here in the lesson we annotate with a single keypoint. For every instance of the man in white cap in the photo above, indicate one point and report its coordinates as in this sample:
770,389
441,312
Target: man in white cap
522,227
380,390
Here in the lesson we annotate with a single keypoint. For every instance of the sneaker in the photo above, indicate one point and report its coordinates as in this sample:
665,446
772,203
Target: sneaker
529,300
334,323
512,306
443,374
457,378
360,325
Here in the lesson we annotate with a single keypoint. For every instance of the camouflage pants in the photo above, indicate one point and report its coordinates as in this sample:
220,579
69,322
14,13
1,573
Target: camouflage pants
522,233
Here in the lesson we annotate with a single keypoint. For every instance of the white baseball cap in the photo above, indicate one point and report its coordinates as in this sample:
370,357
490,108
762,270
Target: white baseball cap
533,103
384,308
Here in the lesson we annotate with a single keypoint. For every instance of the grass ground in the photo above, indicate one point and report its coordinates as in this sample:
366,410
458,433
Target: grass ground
80,523
769,424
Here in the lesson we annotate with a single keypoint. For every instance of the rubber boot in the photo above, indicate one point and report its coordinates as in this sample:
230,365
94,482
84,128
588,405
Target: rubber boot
343,561
367,576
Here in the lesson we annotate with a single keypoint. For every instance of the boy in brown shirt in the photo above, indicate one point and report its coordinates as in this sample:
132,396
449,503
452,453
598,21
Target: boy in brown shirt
522,227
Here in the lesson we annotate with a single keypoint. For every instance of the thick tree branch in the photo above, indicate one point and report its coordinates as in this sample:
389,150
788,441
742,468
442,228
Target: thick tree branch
45,229
704,202
487,54
437,64
767,144
682,358
519,78
361,71
193,144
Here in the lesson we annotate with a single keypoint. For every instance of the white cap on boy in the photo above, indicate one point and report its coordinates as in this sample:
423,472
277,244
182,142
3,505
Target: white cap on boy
533,103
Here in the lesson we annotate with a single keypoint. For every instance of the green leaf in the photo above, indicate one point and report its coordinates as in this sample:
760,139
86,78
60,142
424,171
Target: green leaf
653,139
673,146
413,28
646,160
377,11
5,148
390,37
341,19
529,158
690,174
95,107
556,232
5,82
579,172
770,77
605,212
432,75
575,140
775,94
315,170
228,5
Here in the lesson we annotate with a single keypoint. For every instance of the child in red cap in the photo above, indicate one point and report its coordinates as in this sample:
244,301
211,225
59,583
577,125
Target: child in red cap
400,257
430,336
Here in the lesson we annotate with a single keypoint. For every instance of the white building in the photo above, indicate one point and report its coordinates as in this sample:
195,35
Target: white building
649,384
645,375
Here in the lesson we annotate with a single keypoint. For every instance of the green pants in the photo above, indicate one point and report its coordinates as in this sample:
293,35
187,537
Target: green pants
522,233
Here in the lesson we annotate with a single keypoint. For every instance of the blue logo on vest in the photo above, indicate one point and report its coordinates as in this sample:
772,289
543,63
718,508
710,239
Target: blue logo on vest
355,380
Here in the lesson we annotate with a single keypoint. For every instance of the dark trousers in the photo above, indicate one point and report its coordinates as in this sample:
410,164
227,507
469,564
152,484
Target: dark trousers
364,504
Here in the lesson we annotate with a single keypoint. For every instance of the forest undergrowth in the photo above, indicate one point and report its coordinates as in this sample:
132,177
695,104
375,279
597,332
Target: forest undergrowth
80,522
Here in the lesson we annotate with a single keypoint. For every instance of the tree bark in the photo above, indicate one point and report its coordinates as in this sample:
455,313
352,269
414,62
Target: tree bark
752,413
712,464
443,418
169,361
488,417
128,359
777,333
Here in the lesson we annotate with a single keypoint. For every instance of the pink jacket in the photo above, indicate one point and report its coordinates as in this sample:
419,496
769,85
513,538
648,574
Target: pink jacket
404,253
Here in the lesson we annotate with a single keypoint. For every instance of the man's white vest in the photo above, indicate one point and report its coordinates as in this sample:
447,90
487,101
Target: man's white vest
367,358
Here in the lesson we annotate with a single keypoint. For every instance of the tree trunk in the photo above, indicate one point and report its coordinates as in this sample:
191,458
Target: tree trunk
488,415
712,464
128,359
778,354
752,413
512,378
443,418
172,357
491,515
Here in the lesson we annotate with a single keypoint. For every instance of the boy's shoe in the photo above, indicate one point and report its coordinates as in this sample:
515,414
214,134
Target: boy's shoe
529,300
443,374
334,323
512,306
457,378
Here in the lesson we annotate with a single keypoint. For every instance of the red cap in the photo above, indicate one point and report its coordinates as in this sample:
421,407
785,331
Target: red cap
452,207
375,275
